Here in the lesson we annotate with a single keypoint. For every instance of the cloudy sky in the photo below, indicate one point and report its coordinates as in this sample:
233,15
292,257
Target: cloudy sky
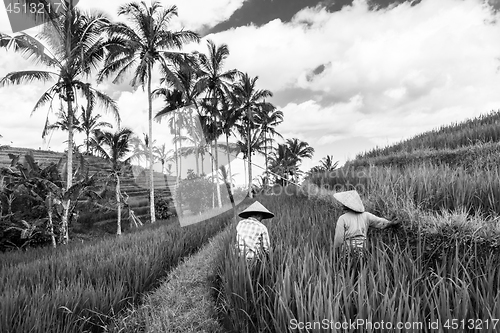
348,75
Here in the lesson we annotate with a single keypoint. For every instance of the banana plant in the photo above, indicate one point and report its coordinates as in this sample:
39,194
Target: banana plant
43,191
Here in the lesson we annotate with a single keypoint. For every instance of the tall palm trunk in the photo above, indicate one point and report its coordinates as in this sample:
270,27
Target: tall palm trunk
151,173
69,96
196,151
245,171
219,199
177,168
249,156
229,165
176,150
87,142
180,157
266,181
118,206
51,223
202,162
230,187
69,169
197,156
213,180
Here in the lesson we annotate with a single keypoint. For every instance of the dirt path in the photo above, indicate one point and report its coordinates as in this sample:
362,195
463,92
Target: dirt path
184,301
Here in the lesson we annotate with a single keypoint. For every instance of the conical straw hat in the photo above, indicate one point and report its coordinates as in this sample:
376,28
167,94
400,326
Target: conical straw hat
351,200
256,207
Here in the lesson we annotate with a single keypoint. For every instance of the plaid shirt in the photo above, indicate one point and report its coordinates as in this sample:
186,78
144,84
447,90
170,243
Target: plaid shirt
251,237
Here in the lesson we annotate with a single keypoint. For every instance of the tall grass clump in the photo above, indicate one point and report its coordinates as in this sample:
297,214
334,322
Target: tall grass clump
402,280
79,290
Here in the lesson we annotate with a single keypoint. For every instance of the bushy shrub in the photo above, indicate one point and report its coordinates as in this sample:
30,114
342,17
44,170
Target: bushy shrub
196,193
164,206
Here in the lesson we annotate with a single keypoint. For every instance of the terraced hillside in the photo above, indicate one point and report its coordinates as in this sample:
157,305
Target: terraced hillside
134,181
474,142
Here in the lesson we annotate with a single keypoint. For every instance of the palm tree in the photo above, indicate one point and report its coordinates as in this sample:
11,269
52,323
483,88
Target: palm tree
75,47
140,148
85,123
173,102
268,118
163,155
215,81
113,147
182,97
283,163
327,163
146,43
230,116
89,123
177,123
63,123
250,100
212,129
183,93
299,149
256,144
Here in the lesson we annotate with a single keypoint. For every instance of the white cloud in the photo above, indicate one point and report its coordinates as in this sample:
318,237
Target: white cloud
193,14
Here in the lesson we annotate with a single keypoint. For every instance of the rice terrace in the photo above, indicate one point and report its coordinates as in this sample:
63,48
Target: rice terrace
236,166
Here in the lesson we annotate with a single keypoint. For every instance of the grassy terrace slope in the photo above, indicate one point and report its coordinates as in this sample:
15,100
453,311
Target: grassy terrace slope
484,155
485,128
453,169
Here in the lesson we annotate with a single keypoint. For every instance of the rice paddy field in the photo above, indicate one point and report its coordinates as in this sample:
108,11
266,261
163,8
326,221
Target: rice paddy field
437,271
79,288
414,280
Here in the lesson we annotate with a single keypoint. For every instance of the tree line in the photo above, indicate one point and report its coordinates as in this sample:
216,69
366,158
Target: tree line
205,103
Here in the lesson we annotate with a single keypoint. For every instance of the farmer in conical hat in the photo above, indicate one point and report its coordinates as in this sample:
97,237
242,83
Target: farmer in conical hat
352,226
252,236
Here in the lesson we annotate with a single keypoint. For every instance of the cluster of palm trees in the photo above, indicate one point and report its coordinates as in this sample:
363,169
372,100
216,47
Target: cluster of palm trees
285,161
75,46
326,164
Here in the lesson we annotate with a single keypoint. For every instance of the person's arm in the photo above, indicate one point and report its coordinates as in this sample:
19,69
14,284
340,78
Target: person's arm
266,243
339,233
379,222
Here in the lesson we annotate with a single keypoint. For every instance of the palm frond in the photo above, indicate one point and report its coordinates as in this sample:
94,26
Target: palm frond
46,97
28,47
27,77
